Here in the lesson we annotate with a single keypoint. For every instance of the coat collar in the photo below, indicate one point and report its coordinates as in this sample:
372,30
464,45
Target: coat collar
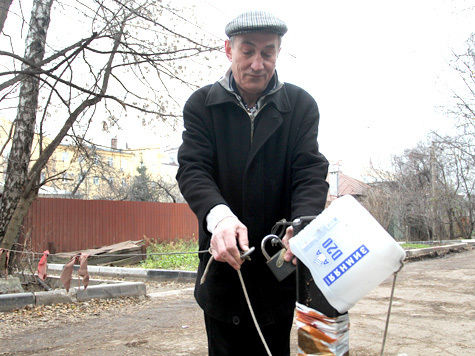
222,92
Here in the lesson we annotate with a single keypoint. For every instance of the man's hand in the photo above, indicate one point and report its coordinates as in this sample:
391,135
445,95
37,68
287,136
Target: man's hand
289,233
224,241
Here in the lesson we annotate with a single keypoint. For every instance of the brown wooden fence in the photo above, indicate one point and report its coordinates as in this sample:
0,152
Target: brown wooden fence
71,224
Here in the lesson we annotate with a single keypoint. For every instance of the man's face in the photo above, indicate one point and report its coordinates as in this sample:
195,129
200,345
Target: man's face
253,57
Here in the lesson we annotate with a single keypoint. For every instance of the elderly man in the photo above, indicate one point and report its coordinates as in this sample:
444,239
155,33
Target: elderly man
249,158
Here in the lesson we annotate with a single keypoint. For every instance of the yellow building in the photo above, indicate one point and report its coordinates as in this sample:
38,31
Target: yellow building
92,171
104,172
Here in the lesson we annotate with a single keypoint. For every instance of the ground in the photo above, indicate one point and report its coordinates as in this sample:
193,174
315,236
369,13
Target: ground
433,314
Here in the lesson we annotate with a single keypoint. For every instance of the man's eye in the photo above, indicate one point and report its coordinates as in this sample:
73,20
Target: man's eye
247,53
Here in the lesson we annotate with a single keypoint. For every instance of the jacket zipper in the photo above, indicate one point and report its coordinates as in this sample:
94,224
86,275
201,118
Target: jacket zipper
252,117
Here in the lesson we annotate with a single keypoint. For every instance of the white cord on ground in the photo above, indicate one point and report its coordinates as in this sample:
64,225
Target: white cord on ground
252,313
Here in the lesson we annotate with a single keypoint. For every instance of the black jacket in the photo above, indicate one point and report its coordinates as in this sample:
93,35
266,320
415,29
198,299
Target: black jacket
280,174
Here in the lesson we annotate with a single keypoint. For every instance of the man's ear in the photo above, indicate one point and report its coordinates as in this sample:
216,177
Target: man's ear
228,50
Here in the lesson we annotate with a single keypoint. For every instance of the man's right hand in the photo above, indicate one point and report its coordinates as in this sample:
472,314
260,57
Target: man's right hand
227,234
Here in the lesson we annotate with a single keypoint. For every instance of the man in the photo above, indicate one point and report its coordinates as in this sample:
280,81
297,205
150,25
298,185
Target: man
249,158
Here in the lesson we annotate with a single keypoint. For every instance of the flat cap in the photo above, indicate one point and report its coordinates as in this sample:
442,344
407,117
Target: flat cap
255,21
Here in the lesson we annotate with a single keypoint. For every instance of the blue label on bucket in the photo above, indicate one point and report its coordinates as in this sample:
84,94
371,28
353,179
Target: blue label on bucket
343,267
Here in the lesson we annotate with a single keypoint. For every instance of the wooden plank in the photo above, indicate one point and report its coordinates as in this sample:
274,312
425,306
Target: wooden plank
100,256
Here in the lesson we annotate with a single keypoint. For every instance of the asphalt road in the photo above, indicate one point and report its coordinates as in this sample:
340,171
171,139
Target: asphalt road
433,314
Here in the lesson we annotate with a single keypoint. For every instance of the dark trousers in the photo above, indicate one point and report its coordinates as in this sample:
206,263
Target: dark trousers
229,339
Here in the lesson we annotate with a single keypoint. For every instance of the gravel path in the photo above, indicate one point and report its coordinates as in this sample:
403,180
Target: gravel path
433,314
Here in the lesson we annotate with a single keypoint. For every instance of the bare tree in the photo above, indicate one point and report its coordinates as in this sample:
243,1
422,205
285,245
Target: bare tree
381,202
457,178
463,108
459,149
167,191
131,56
429,192
427,195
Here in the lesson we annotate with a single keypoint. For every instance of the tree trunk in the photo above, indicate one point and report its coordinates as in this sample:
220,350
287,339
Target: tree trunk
450,215
13,228
4,6
19,157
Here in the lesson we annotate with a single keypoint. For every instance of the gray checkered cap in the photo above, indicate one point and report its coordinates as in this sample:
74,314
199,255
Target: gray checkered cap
255,21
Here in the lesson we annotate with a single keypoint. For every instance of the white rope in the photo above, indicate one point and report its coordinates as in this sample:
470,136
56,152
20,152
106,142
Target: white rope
244,289
112,254
242,284
389,311
252,314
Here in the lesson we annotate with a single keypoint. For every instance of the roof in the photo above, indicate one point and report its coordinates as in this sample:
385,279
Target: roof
341,184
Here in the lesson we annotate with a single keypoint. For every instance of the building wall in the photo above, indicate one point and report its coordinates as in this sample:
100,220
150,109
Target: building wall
102,167
111,166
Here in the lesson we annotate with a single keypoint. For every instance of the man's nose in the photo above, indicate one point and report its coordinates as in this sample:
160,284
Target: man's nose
257,63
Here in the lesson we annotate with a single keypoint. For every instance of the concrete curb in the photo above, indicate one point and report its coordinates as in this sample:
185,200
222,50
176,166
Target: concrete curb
9,302
171,293
14,301
127,289
53,297
141,273
436,251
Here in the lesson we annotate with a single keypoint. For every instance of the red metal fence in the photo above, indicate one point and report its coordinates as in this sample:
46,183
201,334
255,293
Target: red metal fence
70,224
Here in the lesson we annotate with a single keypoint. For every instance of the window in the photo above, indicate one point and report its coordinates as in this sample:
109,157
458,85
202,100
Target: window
110,162
95,180
65,156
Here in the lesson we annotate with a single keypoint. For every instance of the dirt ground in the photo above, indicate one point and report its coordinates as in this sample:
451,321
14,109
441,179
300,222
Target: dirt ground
433,314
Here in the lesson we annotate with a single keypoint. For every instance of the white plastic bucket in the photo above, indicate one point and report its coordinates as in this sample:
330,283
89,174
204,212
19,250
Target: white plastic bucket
347,251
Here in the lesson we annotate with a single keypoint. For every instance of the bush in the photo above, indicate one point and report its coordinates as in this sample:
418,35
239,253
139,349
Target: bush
408,246
187,262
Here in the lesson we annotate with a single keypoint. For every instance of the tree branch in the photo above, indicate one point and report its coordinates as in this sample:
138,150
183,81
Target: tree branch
82,44
41,162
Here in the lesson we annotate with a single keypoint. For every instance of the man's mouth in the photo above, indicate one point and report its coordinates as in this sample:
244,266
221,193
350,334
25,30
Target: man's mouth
256,76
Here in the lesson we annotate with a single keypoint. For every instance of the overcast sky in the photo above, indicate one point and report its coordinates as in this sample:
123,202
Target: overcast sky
379,70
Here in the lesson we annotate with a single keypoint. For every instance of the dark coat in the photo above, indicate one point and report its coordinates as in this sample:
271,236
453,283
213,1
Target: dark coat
280,174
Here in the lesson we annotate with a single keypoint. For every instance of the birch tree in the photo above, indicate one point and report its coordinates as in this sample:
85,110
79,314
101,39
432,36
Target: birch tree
13,197
129,59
